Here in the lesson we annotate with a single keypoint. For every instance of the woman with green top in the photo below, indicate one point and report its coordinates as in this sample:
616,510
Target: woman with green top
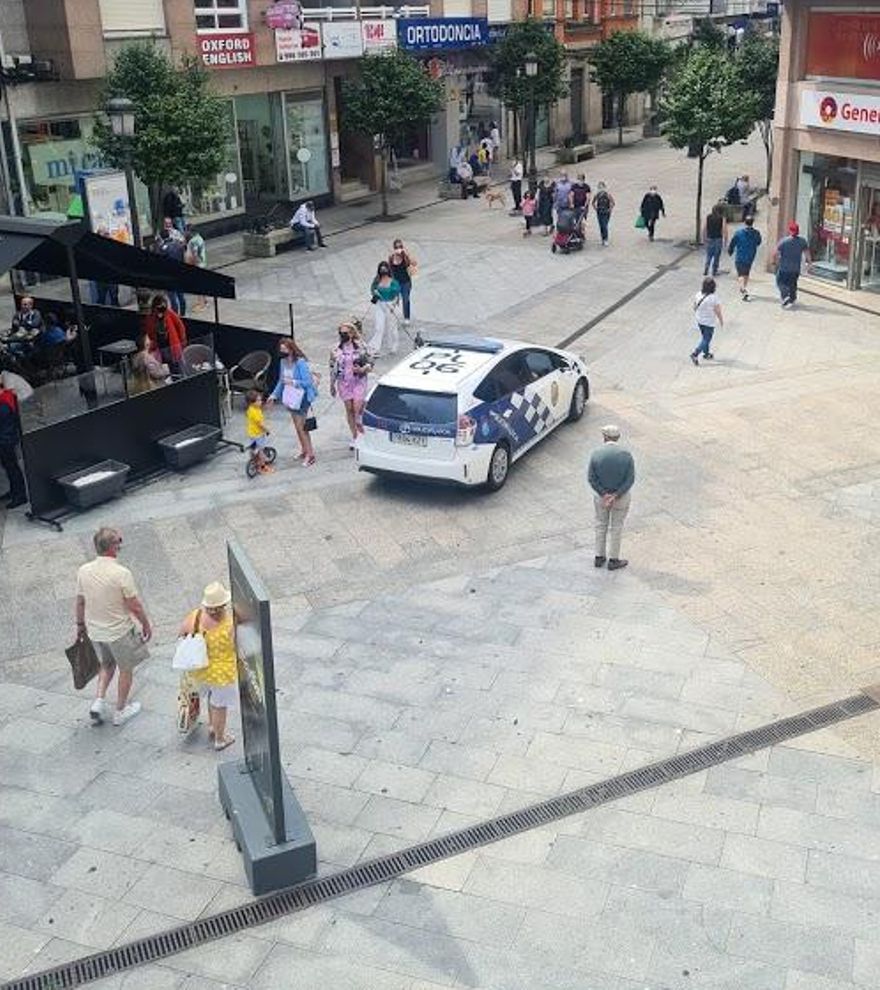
385,295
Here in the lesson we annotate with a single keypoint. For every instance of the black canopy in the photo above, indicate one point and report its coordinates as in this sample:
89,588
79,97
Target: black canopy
39,245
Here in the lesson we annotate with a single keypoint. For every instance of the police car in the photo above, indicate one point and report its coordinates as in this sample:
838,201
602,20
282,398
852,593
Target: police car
462,409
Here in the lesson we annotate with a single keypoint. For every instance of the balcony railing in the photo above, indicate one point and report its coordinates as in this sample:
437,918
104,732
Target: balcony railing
363,13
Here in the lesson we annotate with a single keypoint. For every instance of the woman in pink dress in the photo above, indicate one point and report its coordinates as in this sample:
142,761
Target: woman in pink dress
349,367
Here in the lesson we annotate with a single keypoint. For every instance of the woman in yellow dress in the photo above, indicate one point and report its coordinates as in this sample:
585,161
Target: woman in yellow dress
218,682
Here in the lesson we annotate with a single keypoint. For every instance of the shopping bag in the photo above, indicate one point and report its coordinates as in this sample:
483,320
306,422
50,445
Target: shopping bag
191,653
640,222
188,705
83,660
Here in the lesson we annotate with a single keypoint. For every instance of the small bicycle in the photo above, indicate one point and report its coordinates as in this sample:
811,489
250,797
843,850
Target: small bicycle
252,468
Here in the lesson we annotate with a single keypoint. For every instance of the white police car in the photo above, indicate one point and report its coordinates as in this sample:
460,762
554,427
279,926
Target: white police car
462,409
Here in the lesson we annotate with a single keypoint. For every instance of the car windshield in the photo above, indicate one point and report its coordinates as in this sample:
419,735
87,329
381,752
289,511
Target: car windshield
412,406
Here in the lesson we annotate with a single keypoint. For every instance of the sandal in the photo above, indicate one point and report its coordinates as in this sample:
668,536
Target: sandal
227,740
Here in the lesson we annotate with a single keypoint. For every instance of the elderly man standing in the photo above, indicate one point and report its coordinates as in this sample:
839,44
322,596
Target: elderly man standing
611,475
106,600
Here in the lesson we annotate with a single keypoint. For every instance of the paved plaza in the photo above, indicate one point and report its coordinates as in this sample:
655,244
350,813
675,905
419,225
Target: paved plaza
444,657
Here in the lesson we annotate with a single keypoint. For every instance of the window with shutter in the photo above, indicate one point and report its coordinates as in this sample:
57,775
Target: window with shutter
457,8
499,11
221,15
135,16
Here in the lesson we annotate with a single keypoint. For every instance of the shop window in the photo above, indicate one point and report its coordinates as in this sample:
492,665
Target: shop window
457,8
221,194
221,15
548,10
132,17
826,212
499,11
307,146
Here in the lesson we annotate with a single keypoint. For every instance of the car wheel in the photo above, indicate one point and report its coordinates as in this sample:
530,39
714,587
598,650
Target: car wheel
499,468
578,401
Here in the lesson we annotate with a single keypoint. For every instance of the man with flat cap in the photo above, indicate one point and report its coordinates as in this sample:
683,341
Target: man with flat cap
611,475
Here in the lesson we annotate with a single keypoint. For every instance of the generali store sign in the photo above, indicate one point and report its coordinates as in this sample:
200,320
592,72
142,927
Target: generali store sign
841,112
843,45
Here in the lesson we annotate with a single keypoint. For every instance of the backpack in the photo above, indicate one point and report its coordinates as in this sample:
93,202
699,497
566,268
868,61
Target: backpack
602,202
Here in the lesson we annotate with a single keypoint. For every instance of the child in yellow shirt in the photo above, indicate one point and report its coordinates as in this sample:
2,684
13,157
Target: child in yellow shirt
256,429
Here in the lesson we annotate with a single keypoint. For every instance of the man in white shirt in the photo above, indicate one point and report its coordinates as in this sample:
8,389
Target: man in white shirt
305,221
516,180
106,600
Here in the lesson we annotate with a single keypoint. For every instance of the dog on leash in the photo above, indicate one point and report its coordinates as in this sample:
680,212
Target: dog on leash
494,196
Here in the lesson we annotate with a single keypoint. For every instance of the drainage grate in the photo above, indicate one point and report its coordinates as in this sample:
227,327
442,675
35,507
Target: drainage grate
376,871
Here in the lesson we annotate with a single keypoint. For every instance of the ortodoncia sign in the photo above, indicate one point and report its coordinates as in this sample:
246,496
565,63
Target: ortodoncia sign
442,34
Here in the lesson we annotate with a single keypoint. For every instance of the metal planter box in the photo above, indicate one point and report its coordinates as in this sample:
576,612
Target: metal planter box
189,446
95,484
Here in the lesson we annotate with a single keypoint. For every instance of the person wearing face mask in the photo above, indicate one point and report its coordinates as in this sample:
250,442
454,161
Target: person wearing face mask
403,265
349,367
166,331
384,294
296,391
650,210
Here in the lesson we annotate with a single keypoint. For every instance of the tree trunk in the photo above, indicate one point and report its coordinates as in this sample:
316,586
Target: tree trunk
620,99
156,207
699,215
767,137
383,181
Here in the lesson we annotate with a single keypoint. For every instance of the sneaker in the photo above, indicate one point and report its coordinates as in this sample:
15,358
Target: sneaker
98,711
710,356
695,360
599,561
121,716
352,444
616,563
786,303
746,297
309,462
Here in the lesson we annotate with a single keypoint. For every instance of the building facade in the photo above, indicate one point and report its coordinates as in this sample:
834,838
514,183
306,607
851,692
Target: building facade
827,134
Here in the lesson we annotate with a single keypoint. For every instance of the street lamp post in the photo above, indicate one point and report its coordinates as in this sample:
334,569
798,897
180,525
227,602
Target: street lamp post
531,67
120,110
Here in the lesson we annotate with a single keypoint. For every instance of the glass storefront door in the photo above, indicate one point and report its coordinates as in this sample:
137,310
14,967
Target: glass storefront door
868,273
306,146
826,213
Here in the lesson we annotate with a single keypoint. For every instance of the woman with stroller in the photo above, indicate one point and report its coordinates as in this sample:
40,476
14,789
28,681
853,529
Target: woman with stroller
350,365
546,195
384,295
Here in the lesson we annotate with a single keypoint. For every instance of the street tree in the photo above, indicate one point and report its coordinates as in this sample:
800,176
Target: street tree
508,81
392,94
707,34
706,109
758,64
629,62
181,127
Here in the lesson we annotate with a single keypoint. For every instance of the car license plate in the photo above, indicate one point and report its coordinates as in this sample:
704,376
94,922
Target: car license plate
408,438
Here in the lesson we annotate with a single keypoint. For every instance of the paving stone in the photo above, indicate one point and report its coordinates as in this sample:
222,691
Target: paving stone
818,768
524,774
798,980
18,949
394,747
635,831
728,889
469,797
592,860
23,900
86,919
458,759
453,913
93,871
764,858
235,958
322,970
813,950
395,780
817,832
816,907
330,768
145,978
535,886
411,822
33,736
707,809
171,891
29,855
747,785
867,961
844,873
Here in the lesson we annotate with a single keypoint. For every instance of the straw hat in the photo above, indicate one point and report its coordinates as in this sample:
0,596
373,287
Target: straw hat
216,596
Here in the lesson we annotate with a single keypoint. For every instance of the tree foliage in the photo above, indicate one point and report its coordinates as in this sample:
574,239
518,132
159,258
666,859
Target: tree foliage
508,81
757,63
392,94
707,34
629,62
181,127
706,108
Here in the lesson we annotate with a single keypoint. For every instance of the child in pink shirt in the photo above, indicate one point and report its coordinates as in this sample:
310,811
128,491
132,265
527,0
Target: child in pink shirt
528,211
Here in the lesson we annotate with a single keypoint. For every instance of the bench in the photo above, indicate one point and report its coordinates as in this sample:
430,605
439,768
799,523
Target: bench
576,153
267,245
737,212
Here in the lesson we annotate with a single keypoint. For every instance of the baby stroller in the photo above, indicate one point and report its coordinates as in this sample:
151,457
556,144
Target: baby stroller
568,235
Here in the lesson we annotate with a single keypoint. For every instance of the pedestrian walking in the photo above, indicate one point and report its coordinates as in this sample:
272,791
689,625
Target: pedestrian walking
716,235
350,365
546,195
580,199
707,317
172,207
306,222
611,475
10,435
403,267
787,258
495,138
196,254
603,204
384,295
529,206
218,682
296,391
107,603
562,193
651,209
516,181
744,246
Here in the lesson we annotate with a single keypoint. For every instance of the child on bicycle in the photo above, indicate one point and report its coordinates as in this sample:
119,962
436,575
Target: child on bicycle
256,429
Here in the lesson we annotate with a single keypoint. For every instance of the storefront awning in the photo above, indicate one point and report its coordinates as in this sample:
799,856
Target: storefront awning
42,246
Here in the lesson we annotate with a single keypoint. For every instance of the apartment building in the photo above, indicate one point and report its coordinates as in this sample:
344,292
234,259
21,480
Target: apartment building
827,131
